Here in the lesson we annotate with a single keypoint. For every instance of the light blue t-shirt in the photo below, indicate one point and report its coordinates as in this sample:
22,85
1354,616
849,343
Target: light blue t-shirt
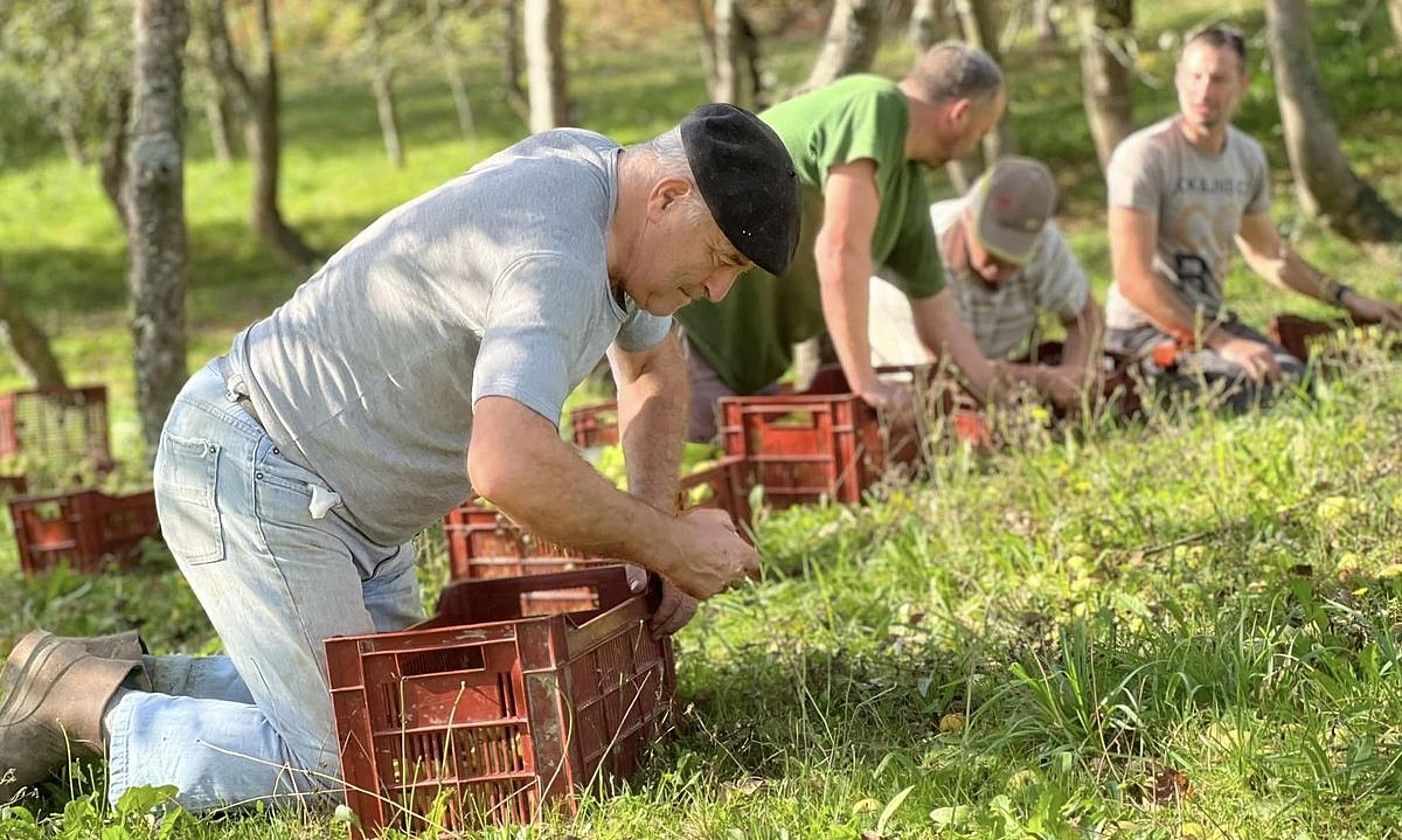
494,284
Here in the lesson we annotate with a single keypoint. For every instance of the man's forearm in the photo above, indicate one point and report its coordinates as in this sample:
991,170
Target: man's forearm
843,287
545,487
1292,271
652,414
1085,336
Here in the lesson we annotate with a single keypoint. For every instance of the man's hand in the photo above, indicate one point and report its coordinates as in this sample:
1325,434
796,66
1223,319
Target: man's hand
1065,385
674,610
1373,311
708,554
886,396
1252,356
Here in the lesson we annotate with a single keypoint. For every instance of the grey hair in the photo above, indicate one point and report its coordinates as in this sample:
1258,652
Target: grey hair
664,156
953,70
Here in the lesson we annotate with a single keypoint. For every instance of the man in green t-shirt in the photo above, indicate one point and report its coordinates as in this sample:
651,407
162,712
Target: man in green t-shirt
860,146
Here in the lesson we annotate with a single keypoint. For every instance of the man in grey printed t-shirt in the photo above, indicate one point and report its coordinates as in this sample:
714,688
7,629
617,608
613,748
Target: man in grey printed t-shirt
1181,192
428,359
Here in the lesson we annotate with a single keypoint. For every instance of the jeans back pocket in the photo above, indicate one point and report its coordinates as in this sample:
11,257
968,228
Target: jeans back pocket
186,477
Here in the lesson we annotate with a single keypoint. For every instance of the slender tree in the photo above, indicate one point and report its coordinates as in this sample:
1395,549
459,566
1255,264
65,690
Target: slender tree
452,70
1107,84
1044,22
979,24
217,93
156,275
924,29
259,94
726,79
512,62
114,150
1326,185
1394,13
34,355
854,33
382,79
545,64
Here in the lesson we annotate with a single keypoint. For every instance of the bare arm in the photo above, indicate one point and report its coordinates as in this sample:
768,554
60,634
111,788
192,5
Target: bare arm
517,460
1133,238
652,415
942,332
1085,336
1278,263
843,253
652,400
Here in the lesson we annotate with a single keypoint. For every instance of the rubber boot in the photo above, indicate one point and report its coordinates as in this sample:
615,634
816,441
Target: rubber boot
126,645
55,710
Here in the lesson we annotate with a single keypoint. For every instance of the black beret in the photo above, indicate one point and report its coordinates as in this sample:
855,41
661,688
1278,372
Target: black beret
747,180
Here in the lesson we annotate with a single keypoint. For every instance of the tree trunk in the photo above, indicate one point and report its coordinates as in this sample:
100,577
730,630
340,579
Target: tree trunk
749,55
1107,84
979,26
382,86
924,24
707,45
451,69
157,269
726,87
1327,186
545,64
218,113
114,154
854,33
265,152
34,356
511,59
1394,14
72,140
1043,22
220,88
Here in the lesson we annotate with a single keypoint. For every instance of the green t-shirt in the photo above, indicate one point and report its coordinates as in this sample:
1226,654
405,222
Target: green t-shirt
748,338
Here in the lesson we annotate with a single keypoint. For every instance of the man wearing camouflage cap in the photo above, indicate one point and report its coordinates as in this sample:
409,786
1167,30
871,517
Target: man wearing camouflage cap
1006,264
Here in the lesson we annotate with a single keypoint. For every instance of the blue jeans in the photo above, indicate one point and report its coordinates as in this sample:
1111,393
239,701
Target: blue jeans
276,581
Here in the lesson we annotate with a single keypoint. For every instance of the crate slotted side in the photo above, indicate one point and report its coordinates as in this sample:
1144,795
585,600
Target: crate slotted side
494,717
595,425
823,443
86,529
68,424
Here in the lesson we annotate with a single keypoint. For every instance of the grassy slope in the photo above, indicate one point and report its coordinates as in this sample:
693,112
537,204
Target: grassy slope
1206,596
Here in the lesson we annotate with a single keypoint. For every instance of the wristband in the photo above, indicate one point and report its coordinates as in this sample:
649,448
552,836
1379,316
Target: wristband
1331,290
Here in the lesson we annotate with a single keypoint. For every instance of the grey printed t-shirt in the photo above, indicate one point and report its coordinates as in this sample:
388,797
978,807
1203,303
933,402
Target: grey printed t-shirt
495,283
1199,200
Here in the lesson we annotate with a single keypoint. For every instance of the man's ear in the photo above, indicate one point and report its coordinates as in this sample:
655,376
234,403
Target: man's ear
665,194
960,111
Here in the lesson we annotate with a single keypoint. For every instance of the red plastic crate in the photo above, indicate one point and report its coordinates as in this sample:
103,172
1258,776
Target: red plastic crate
86,529
484,543
825,442
595,425
1296,333
62,424
490,714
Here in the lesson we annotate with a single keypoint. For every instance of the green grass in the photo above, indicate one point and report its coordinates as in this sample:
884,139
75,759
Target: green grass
1030,644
